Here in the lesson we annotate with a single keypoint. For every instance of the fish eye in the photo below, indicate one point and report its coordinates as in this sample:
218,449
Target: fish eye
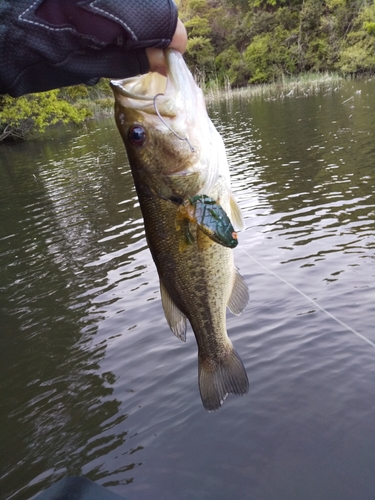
137,135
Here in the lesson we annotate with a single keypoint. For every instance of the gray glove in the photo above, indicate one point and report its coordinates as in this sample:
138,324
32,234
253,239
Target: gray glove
56,43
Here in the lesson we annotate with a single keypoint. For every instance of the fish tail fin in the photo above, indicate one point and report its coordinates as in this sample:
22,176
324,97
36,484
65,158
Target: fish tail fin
219,378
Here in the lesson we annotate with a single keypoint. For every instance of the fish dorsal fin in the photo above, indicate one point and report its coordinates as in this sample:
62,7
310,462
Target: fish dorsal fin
236,215
239,296
175,318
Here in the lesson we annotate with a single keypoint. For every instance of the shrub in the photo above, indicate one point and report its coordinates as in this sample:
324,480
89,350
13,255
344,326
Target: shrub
268,56
230,66
24,115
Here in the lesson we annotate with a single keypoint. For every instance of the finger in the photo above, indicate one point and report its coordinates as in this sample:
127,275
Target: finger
156,60
179,40
156,57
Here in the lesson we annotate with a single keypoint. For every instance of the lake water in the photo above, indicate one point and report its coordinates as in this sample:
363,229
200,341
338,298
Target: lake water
93,382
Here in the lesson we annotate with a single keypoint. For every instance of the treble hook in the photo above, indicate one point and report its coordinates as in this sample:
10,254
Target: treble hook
169,128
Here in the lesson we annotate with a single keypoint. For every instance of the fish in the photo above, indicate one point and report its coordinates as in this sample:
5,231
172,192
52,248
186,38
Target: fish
179,166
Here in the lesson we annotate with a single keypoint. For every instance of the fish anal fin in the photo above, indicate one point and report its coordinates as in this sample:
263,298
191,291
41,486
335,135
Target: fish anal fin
175,318
236,215
220,378
240,295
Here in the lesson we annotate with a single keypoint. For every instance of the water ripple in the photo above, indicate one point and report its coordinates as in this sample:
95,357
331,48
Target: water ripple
95,384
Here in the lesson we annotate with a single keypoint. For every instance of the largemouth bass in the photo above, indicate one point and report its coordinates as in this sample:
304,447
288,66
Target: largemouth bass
178,161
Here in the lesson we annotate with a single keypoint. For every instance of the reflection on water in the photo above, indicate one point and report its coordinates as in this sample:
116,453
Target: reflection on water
92,381
57,198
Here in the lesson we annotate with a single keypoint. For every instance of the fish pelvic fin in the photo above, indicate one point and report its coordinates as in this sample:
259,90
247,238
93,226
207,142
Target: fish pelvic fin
236,214
219,378
240,295
175,318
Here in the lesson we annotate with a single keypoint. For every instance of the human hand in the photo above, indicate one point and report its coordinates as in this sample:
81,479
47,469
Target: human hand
156,57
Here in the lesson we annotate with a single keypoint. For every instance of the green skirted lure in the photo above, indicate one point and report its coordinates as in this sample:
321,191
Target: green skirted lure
213,221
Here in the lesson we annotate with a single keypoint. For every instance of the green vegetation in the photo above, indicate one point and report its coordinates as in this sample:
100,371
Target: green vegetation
232,43
241,42
18,117
23,116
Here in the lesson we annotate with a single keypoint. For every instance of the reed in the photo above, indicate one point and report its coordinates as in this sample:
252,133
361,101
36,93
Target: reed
301,85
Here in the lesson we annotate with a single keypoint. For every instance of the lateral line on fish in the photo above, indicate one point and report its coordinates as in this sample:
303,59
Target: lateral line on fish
359,335
169,128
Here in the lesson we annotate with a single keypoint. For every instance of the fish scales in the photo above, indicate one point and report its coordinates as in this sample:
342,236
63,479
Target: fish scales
198,278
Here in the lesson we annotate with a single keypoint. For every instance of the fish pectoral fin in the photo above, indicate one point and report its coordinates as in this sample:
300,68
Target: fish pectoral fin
219,378
236,215
240,295
175,318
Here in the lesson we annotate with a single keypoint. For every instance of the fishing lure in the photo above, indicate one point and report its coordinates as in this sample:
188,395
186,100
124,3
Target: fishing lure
211,219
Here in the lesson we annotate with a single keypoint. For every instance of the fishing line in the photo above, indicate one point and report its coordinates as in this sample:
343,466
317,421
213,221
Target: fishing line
169,128
372,344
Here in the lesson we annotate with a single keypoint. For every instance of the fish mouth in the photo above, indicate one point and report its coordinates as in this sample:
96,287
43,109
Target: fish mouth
140,92
141,88
177,92
169,99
